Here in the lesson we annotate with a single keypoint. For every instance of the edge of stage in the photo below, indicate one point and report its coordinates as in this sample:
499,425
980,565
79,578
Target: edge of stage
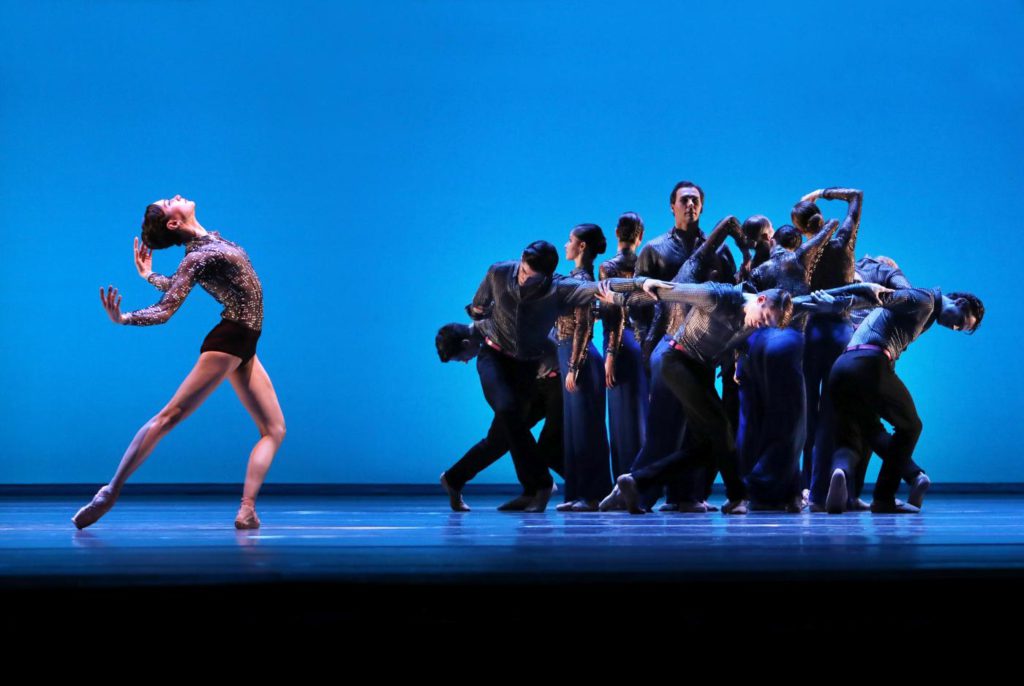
383,556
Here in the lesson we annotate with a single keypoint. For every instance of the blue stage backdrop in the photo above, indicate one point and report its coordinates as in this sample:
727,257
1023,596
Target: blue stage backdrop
375,158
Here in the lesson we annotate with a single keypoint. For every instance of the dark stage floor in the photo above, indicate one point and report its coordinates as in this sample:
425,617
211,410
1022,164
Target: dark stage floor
331,560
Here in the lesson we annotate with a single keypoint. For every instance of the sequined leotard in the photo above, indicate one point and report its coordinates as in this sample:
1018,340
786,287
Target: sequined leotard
223,269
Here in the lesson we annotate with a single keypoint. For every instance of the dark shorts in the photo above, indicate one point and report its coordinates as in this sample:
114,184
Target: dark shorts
233,338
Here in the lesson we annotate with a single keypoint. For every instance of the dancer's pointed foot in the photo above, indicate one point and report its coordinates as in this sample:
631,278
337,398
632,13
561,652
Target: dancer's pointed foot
668,507
246,517
585,506
454,496
708,507
517,504
835,501
736,507
630,494
539,502
893,507
613,501
566,506
918,489
99,506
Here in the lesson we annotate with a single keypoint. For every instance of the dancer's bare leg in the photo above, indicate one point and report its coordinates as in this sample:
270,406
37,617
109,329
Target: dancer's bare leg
254,389
206,375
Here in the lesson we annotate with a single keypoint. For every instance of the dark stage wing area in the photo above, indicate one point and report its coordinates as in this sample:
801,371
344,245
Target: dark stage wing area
337,561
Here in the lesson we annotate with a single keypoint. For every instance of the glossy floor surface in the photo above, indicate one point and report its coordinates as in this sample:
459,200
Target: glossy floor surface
148,540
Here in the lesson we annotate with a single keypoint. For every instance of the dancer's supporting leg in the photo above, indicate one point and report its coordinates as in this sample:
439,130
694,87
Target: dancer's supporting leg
254,389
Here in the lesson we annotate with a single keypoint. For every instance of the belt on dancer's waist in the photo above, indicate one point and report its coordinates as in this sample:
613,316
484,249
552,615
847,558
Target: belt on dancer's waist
868,346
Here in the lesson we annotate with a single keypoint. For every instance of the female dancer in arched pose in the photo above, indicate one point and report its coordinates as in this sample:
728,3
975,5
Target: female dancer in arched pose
223,269
586,440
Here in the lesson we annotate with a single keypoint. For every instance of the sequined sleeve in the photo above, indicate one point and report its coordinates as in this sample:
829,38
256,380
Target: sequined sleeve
847,233
576,293
159,281
180,285
809,253
704,296
613,317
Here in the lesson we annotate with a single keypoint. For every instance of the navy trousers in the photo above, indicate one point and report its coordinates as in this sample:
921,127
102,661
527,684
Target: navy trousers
628,402
773,417
545,404
507,384
587,460
826,338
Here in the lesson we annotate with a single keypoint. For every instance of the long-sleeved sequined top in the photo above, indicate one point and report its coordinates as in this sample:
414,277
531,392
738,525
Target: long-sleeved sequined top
578,325
223,269
615,318
904,315
836,266
518,319
872,270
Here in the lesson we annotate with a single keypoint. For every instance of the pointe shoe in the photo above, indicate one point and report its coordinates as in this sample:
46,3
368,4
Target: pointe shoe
539,503
517,504
566,506
630,495
246,517
893,507
917,491
835,501
97,507
735,507
613,501
584,506
454,497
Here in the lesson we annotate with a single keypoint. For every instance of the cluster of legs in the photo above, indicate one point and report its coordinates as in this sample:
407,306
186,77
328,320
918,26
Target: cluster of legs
864,388
256,393
707,441
545,403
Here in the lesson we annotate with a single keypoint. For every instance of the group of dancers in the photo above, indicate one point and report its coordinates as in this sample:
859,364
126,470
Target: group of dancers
804,336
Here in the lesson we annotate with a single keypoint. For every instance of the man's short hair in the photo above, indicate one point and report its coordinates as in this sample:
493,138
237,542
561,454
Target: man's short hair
449,340
629,227
685,184
542,257
974,306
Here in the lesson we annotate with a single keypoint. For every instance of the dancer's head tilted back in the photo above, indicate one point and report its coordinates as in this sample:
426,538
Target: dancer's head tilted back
163,219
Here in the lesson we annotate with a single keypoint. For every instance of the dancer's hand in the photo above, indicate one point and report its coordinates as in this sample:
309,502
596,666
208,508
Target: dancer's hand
111,300
813,195
143,259
604,292
650,285
609,371
877,290
570,381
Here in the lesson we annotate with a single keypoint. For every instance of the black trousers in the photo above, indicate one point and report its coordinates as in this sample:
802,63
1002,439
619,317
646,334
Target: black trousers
708,441
864,388
508,385
545,404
